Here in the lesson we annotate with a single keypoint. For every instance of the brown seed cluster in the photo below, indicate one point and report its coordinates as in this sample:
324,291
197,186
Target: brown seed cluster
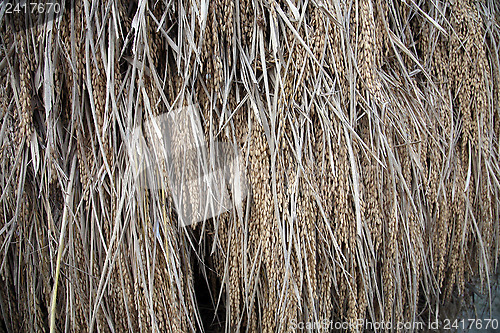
25,101
368,48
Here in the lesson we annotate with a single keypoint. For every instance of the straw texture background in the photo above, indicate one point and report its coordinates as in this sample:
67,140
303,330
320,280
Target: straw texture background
369,132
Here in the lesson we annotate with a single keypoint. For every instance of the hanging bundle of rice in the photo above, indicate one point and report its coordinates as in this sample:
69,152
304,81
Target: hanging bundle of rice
181,166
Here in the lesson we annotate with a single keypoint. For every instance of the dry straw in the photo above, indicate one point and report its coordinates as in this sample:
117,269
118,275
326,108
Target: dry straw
368,131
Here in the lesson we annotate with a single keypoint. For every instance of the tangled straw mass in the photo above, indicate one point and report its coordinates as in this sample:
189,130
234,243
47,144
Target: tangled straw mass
368,131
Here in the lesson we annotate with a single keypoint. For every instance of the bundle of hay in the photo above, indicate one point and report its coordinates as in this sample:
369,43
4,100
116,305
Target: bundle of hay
368,131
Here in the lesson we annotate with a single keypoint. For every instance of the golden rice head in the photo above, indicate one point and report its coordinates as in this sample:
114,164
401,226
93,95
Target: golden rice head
262,224
369,55
467,58
306,217
246,14
25,99
390,241
456,261
99,88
